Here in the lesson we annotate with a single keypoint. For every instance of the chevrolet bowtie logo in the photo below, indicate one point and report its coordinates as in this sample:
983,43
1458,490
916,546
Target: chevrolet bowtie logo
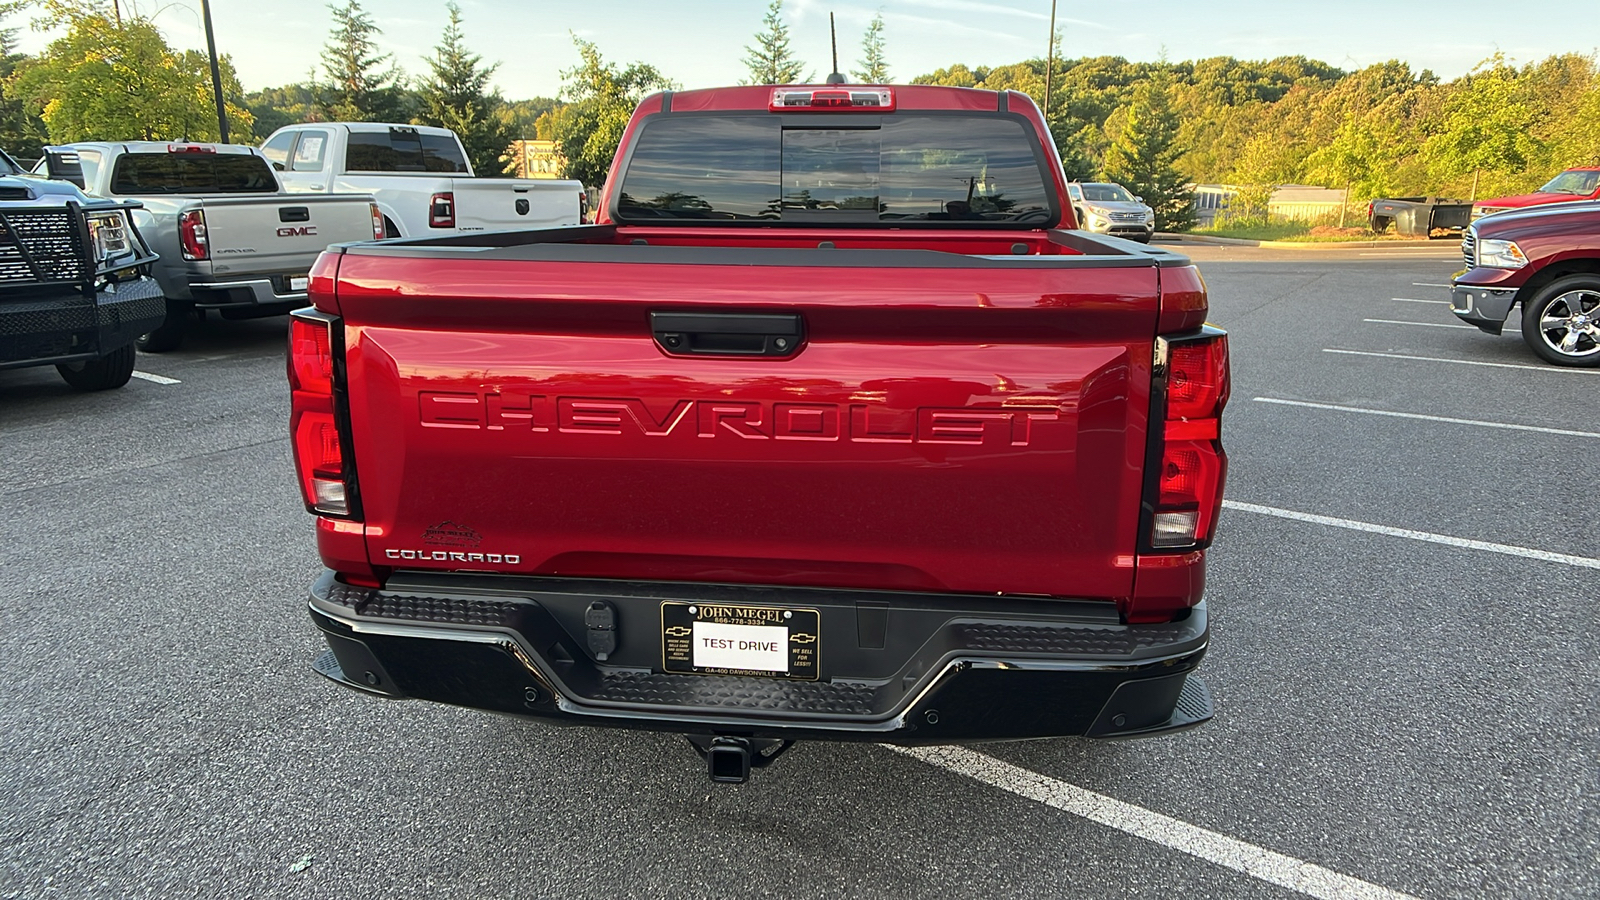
679,631
802,638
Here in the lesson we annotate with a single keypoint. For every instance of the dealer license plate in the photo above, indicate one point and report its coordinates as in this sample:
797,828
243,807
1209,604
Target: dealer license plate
299,282
727,639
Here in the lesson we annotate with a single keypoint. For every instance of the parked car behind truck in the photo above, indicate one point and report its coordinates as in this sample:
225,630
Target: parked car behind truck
420,175
1112,209
229,239
834,427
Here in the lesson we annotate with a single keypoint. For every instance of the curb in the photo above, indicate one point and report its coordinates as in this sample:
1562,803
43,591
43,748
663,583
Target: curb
1174,238
1355,245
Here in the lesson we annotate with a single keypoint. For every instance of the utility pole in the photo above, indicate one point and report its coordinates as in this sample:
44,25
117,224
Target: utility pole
1050,61
216,73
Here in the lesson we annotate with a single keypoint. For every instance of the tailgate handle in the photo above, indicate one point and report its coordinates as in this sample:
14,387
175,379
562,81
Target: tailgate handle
294,214
727,334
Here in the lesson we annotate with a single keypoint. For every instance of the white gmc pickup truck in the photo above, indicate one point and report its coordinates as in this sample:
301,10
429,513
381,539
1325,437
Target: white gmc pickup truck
420,176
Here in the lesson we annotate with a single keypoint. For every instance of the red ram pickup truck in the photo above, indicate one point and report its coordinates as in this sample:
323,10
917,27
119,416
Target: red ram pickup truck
831,427
1547,259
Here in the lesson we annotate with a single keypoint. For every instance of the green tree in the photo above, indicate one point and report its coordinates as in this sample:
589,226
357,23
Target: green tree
1487,128
362,84
274,108
22,133
1144,156
525,114
108,81
457,95
1359,157
597,100
874,68
957,75
770,61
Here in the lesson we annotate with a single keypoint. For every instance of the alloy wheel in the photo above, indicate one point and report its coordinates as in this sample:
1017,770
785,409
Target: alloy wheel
1570,323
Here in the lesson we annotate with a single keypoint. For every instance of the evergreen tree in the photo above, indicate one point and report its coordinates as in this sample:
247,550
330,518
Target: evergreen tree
360,87
458,96
874,69
770,61
1144,158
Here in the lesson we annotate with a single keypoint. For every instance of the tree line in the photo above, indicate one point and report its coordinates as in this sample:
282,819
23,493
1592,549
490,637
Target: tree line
1157,127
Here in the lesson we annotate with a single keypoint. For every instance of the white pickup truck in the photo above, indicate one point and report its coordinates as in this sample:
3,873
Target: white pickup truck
229,239
420,176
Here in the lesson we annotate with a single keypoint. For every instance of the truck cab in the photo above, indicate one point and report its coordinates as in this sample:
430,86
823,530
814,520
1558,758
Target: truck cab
1579,183
424,184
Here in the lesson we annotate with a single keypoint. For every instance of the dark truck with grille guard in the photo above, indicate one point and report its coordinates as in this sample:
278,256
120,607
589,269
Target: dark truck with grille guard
75,290
832,427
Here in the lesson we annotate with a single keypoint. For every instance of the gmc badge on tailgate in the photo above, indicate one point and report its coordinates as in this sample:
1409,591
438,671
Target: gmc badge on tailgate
297,231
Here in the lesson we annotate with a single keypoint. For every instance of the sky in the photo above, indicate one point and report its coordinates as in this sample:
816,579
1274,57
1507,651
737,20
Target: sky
701,43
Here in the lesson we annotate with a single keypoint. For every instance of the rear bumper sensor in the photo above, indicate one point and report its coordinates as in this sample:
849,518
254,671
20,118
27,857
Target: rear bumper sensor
953,667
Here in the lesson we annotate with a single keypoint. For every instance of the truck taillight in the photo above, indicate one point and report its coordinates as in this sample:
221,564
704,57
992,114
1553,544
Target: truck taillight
1183,493
442,210
378,231
327,480
192,235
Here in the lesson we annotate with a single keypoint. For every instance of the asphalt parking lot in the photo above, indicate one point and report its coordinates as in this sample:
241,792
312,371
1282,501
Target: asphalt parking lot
1405,659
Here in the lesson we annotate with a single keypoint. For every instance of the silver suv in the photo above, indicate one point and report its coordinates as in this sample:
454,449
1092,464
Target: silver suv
1111,209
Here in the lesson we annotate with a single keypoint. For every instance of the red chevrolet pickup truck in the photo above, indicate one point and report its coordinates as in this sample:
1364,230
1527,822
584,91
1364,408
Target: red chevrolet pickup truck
831,427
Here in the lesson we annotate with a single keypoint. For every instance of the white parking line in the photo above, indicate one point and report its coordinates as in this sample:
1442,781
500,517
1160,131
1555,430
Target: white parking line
1423,324
1409,300
158,379
1466,362
1428,536
1449,419
1231,853
1427,284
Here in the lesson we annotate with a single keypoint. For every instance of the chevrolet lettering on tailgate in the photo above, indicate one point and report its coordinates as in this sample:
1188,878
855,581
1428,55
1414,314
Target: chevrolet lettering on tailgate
745,419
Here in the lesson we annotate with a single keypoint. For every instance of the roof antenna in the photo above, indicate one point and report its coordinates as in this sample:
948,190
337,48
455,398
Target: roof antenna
834,77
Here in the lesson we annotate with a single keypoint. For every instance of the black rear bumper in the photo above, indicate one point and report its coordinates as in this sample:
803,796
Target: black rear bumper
895,667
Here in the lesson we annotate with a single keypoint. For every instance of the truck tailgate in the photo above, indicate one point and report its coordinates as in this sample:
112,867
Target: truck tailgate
281,233
500,204
974,426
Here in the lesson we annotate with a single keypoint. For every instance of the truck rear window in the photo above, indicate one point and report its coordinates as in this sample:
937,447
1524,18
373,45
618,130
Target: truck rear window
901,169
192,173
404,150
